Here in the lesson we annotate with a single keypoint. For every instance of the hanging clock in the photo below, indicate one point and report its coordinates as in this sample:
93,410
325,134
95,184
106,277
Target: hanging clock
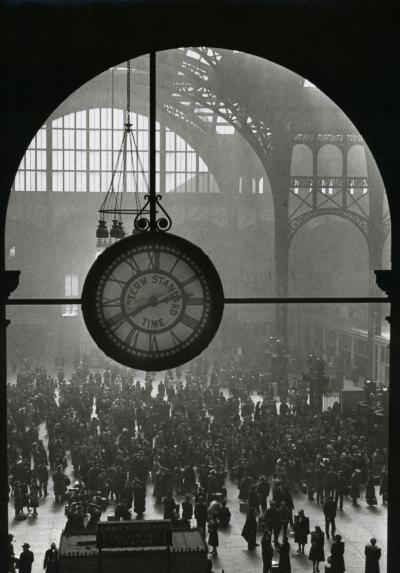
152,301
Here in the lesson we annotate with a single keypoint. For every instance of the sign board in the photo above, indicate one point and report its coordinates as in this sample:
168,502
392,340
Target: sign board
150,533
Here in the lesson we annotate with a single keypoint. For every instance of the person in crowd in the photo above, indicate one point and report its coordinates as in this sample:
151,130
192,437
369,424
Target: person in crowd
139,498
61,481
11,554
249,531
253,498
43,478
170,506
18,501
51,559
122,510
200,514
187,510
301,530
284,516
75,518
372,555
287,497
263,491
383,485
340,489
277,492
273,521
336,558
213,535
284,556
34,490
355,486
224,515
267,551
329,509
25,560
370,497
317,553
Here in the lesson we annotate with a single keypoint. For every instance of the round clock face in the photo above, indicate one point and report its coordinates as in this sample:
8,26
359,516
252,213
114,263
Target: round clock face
152,301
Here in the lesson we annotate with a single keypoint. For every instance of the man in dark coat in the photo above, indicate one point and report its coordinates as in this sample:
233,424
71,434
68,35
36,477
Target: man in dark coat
60,481
340,489
11,555
267,552
263,491
249,531
25,559
169,506
200,513
43,477
253,499
139,497
51,559
372,556
329,508
284,515
288,499
273,521
301,530
284,556
187,510
336,558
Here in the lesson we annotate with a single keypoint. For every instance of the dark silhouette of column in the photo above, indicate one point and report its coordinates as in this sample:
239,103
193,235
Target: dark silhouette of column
8,283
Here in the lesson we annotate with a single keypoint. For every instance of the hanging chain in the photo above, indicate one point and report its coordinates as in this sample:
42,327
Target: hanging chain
128,93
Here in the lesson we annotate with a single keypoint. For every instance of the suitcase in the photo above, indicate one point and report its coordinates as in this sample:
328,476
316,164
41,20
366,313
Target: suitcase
244,506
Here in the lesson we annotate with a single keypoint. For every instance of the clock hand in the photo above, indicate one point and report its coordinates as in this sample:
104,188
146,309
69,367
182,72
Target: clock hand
141,307
154,301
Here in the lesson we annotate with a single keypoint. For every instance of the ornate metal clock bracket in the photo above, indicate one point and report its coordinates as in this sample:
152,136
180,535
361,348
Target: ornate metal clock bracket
147,218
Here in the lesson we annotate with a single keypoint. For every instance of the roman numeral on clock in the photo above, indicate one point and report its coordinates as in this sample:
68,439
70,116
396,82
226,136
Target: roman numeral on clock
171,270
189,321
153,344
115,321
114,279
111,302
154,260
197,301
175,339
189,280
132,337
134,266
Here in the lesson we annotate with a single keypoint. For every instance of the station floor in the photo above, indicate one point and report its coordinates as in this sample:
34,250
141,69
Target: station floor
356,525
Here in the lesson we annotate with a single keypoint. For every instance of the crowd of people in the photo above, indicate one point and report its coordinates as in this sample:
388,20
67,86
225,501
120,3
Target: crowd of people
188,434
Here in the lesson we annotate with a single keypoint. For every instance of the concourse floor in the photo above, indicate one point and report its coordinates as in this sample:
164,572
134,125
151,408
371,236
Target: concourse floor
356,525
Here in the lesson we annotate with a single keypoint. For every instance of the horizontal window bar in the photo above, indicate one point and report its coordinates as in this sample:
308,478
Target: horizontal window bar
253,300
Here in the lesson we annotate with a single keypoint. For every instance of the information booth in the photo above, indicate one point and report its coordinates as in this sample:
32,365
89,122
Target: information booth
125,546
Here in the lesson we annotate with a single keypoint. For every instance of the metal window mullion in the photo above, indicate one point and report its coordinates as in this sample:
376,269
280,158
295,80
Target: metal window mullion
36,163
49,156
75,156
314,179
162,157
197,173
87,153
185,173
100,130
345,151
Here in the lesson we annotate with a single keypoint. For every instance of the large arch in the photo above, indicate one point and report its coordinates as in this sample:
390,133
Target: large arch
277,27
